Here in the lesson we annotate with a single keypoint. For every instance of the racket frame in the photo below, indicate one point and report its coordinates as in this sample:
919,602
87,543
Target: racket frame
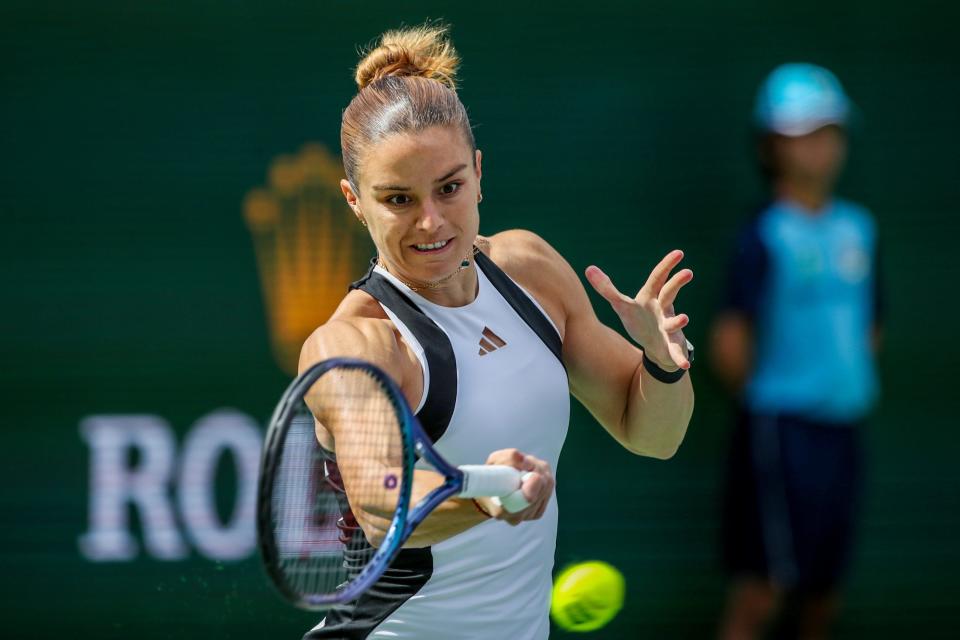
414,443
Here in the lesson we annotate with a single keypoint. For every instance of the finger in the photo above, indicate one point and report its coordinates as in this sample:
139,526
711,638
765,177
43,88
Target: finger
660,272
541,510
529,463
545,472
535,510
603,285
676,323
669,291
509,457
540,505
548,487
543,505
539,465
531,488
679,355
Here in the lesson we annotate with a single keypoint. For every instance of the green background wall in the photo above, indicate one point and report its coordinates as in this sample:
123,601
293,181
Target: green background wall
130,133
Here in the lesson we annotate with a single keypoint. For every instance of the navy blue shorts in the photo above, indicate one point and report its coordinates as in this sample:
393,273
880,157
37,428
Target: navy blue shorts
791,501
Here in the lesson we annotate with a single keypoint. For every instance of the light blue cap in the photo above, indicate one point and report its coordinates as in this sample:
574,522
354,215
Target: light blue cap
799,98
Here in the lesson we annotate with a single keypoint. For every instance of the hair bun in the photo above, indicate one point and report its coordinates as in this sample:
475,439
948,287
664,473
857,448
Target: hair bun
421,51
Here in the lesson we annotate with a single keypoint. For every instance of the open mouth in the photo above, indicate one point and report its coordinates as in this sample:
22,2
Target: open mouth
432,247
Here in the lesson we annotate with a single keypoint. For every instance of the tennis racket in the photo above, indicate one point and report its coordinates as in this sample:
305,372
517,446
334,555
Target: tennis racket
309,499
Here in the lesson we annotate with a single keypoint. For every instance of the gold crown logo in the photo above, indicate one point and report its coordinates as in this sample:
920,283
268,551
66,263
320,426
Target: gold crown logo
307,245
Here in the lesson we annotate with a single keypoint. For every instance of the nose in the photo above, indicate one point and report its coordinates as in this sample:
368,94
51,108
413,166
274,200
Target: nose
430,218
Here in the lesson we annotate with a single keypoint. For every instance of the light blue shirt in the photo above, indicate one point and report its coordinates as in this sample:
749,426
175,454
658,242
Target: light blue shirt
814,314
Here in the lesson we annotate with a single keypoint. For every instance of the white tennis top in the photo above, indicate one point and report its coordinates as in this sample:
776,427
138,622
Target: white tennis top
493,580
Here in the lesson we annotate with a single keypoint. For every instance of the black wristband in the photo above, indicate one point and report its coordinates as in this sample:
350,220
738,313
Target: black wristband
668,377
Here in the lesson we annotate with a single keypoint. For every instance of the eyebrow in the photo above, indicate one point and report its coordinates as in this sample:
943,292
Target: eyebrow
391,187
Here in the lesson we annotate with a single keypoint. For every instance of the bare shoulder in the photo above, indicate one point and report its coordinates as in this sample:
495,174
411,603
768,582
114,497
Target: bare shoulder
359,328
519,251
533,263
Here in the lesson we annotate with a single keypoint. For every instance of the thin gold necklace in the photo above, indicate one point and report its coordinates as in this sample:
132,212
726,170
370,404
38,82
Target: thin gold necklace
436,284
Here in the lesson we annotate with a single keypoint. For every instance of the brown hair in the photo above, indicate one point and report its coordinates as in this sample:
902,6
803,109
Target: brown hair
406,84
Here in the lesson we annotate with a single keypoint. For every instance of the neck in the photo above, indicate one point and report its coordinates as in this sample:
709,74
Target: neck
455,290
810,195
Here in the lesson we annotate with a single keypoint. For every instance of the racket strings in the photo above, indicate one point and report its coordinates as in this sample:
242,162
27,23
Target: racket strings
347,522
321,545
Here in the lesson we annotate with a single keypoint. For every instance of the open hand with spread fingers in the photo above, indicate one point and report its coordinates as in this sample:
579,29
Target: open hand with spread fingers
649,317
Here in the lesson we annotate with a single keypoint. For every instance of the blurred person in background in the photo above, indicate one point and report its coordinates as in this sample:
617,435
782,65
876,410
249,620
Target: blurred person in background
795,342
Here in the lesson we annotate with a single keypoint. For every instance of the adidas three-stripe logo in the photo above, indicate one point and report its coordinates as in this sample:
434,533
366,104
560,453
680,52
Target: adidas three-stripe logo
490,342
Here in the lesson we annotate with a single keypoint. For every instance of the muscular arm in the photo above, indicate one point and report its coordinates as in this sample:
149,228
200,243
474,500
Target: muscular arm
607,375
605,369
363,470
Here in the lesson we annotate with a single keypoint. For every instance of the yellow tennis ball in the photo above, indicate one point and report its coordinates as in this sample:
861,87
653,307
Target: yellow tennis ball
587,596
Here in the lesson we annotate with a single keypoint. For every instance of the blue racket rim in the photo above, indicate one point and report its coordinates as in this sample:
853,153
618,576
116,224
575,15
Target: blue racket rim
414,442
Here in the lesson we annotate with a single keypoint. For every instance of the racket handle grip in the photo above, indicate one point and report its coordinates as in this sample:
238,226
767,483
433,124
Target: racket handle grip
500,482
513,502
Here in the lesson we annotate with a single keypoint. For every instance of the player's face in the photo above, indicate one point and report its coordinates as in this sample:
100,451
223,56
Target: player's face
418,196
816,157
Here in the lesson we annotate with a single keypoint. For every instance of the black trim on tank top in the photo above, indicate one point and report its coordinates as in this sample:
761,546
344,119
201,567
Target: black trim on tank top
522,304
442,395
355,620
411,569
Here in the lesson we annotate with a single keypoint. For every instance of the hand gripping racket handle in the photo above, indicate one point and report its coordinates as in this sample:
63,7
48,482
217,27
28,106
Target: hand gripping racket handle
515,501
500,482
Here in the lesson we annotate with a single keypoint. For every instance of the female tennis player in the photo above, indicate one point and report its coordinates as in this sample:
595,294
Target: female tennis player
486,338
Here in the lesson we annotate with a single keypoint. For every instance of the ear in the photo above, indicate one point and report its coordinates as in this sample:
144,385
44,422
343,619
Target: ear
348,193
478,157
351,197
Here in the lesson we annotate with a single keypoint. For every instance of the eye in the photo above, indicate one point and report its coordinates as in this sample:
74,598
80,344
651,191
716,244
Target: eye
450,188
399,199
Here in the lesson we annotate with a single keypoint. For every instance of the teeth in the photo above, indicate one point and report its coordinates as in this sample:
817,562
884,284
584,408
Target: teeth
433,245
